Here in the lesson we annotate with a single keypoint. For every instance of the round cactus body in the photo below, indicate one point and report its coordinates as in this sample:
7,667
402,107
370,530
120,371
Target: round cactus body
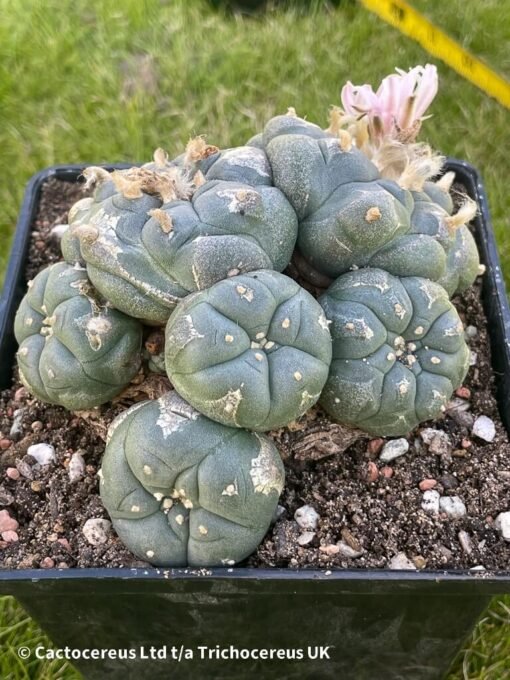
349,216
462,259
144,253
398,351
74,350
245,164
183,490
251,351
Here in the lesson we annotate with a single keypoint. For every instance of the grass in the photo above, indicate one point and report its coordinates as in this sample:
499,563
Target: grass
92,81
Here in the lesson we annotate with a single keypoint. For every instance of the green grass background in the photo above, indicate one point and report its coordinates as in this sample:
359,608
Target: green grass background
93,81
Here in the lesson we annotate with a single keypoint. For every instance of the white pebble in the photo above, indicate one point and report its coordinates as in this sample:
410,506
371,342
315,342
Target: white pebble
306,537
307,517
471,331
473,358
503,525
465,542
96,530
453,506
44,454
347,551
484,428
394,449
401,561
430,502
76,468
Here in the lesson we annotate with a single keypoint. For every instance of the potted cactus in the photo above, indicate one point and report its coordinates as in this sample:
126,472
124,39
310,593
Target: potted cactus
220,319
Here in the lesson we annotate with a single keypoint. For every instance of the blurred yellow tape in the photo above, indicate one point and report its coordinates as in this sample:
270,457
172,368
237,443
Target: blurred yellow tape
416,26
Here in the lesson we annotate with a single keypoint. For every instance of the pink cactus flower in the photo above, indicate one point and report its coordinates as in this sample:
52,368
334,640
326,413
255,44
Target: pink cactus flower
398,107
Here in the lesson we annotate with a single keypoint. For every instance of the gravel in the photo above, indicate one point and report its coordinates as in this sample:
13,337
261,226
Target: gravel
484,428
401,562
44,454
453,506
394,449
96,530
430,502
307,517
502,524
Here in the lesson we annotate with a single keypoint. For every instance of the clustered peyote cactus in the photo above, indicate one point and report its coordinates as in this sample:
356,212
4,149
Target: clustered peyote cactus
398,351
251,351
183,490
75,350
149,237
194,248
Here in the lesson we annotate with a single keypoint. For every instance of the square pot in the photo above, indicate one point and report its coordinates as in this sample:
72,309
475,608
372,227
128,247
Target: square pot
384,625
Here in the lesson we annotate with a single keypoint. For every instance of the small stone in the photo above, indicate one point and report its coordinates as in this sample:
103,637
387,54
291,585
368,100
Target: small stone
24,468
427,484
5,444
374,446
348,551
463,418
6,497
449,482
473,358
278,513
36,485
44,454
307,517
62,565
351,540
7,523
430,502
466,443
10,537
438,441
372,472
459,453
306,537
463,392
20,394
419,562
484,428
58,231
465,542
330,549
457,404
47,563
445,552
453,506
387,472
402,562
36,426
96,530
76,468
502,524
16,428
394,449
64,543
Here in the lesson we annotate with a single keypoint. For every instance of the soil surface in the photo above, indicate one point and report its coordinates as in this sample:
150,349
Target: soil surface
369,512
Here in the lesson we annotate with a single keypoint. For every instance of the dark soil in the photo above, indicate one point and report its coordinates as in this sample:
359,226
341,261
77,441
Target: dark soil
374,508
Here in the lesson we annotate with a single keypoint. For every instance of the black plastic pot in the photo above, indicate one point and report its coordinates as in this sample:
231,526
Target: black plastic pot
379,625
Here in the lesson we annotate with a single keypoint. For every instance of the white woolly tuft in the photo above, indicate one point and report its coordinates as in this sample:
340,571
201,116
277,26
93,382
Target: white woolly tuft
446,181
94,176
464,214
410,165
197,149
